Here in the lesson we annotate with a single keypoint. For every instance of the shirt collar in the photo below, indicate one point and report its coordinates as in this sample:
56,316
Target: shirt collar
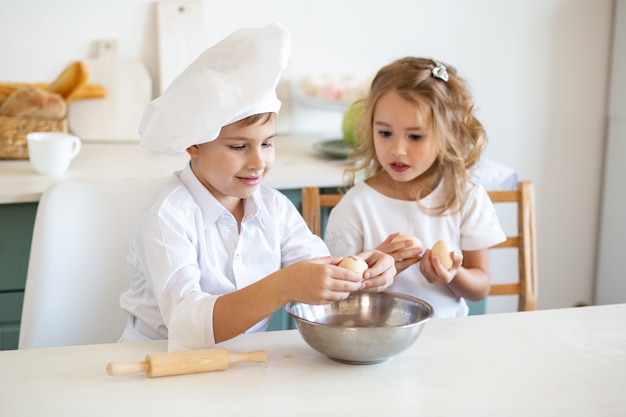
209,206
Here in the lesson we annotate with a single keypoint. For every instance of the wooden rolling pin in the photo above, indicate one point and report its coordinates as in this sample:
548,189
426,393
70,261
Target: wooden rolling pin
187,362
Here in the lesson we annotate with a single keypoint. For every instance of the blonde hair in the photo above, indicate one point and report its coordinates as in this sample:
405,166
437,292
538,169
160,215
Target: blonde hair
460,136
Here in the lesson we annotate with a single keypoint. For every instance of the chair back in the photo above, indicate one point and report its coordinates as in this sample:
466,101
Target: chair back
524,286
313,202
77,267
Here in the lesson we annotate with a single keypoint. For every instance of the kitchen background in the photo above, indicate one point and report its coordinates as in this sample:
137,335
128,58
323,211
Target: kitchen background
540,72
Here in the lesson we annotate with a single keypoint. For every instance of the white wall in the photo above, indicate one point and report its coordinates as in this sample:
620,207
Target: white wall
538,70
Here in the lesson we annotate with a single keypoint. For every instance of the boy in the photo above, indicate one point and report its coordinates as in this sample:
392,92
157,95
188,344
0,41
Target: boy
218,252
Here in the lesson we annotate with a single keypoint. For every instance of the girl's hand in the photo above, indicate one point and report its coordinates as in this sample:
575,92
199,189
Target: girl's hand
380,273
433,270
403,254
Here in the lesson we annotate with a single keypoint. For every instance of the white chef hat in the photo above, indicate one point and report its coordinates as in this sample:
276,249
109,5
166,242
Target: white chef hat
234,79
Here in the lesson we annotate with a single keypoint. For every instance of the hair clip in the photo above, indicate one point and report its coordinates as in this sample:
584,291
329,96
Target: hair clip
440,71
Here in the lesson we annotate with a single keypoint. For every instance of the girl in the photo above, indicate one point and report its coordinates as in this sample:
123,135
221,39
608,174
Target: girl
418,140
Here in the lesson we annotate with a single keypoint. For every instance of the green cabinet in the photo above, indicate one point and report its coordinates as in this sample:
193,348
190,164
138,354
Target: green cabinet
16,224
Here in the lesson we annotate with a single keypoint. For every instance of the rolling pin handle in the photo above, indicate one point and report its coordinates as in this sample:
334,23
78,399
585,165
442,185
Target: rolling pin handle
119,368
255,356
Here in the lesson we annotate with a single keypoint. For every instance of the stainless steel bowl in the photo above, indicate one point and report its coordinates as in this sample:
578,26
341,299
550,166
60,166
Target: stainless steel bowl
364,328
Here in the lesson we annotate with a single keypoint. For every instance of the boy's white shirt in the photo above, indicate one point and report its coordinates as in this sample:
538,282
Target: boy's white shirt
364,218
187,251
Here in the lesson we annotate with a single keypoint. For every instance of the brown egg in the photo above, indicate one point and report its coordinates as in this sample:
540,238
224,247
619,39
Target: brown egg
443,251
416,242
354,263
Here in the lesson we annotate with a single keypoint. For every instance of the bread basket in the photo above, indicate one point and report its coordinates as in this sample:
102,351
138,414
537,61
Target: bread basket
13,131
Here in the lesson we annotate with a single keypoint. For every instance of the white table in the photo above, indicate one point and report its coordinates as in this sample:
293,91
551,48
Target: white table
297,165
567,362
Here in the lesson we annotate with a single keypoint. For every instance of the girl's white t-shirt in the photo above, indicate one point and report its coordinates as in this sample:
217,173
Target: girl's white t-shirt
364,218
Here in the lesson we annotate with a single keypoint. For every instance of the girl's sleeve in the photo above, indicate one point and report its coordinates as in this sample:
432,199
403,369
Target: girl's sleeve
344,233
480,227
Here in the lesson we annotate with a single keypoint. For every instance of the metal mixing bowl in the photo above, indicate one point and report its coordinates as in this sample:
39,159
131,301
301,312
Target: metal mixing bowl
364,328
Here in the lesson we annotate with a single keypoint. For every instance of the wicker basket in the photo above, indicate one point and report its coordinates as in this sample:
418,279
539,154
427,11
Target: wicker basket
13,131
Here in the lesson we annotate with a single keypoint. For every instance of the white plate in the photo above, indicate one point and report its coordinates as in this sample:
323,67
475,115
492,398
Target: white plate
335,148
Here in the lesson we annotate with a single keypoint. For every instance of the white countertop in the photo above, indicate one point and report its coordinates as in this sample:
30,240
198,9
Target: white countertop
568,362
297,165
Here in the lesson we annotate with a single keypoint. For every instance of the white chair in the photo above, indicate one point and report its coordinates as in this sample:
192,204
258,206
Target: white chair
77,267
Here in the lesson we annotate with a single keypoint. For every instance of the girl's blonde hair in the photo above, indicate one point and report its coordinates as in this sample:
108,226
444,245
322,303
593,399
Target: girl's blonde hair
460,136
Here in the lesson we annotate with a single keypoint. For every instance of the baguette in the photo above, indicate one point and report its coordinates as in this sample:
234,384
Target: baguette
70,79
85,91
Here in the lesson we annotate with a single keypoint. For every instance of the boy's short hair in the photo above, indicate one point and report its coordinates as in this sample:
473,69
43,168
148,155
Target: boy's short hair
255,118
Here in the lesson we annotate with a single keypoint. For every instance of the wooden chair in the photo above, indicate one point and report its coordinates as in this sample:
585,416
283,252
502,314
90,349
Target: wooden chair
524,286
524,240
312,205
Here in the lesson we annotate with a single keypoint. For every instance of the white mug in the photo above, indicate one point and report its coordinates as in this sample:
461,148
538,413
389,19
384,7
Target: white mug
50,153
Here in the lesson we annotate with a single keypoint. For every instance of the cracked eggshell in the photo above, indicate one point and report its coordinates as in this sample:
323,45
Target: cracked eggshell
354,263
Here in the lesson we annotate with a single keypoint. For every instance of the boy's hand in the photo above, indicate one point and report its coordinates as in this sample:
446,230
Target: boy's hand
320,281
